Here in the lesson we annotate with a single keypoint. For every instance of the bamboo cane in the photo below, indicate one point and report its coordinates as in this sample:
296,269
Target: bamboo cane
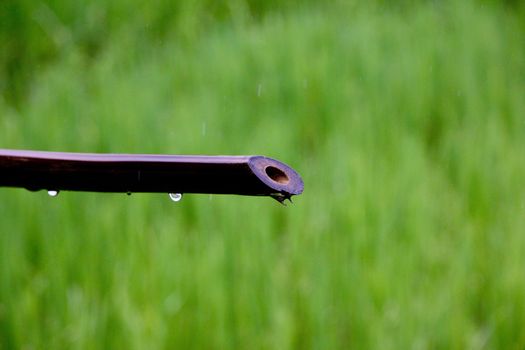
129,173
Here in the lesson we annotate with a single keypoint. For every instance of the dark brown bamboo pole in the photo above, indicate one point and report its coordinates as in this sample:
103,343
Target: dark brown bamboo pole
128,173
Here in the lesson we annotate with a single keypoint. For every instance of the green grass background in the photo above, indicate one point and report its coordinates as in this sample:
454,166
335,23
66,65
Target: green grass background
406,120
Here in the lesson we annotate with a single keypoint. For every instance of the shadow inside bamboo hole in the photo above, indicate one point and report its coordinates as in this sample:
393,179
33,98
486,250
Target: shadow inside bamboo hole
277,175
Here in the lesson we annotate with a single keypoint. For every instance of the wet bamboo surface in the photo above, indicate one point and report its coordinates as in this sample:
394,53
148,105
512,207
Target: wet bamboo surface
130,173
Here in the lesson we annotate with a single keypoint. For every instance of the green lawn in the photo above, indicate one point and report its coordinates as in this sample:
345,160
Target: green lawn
407,123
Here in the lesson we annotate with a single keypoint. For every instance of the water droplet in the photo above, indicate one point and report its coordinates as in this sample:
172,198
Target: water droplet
176,197
53,193
128,193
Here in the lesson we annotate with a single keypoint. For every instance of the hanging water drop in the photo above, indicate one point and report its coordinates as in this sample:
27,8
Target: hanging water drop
176,197
53,193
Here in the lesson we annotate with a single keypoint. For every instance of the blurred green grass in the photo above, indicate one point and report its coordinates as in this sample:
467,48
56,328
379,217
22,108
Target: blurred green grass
405,119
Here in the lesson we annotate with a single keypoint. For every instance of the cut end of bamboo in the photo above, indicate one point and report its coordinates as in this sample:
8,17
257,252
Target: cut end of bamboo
279,177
